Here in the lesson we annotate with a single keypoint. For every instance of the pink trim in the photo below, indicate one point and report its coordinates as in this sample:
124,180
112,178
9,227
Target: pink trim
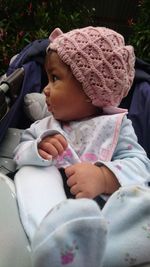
106,153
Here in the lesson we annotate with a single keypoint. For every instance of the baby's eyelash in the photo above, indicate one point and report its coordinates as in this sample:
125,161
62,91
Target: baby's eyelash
54,77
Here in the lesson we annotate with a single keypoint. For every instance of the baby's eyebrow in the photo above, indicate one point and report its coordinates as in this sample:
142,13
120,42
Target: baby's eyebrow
49,69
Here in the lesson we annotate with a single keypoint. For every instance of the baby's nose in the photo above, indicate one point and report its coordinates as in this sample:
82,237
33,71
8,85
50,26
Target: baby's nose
46,90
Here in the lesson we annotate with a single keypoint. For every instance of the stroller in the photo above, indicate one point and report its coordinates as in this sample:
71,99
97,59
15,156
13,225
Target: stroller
15,248
26,75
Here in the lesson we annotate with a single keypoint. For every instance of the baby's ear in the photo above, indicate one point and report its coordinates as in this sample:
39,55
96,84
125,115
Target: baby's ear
35,106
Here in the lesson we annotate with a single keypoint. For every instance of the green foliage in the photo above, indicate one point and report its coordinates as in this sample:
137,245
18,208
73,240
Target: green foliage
140,38
25,21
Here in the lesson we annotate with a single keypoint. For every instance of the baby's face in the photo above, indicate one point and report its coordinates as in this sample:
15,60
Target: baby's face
64,95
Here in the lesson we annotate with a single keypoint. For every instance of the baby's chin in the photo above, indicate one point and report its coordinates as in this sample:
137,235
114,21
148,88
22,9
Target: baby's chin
66,116
49,108
61,118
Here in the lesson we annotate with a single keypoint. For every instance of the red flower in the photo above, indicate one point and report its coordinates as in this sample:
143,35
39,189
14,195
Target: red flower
1,34
21,34
130,22
6,60
30,8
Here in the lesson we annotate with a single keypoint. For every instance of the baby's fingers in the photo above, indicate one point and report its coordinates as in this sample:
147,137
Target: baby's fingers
62,140
44,154
53,148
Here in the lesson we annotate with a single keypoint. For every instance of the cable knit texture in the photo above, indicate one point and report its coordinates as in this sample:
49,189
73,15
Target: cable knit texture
99,59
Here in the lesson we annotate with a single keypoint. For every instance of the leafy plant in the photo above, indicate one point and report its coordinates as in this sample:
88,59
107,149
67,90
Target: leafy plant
24,21
140,38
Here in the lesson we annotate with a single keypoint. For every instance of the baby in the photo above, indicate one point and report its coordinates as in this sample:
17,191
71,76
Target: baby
90,70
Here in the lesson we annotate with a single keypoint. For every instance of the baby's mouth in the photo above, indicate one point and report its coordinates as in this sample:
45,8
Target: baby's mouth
48,106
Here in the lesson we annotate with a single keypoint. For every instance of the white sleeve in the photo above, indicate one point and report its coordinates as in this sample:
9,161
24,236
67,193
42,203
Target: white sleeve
26,153
129,163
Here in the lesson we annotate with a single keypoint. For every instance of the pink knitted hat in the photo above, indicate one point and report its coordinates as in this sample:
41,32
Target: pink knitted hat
99,60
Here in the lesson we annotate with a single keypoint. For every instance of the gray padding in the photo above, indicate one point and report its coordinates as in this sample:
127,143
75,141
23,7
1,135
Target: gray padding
14,247
10,141
7,165
7,147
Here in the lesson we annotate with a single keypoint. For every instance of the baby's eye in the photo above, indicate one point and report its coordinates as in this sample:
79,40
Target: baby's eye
54,78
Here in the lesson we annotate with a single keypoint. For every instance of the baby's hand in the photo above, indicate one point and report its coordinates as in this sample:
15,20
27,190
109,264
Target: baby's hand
88,180
52,146
85,180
